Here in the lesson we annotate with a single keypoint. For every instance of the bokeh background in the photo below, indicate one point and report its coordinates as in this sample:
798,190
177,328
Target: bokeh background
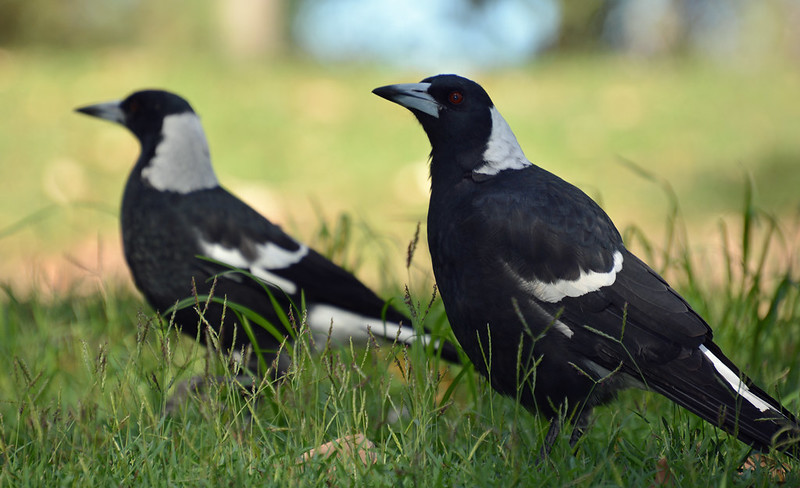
702,94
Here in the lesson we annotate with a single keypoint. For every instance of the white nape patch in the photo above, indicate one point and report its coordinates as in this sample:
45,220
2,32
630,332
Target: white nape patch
563,328
735,382
502,150
269,257
347,325
181,163
587,282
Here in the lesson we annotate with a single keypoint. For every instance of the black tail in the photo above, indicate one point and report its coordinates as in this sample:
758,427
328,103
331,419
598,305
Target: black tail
711,386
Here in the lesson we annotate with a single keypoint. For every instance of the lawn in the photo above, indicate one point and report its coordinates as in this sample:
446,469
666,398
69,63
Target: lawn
90,371
93,395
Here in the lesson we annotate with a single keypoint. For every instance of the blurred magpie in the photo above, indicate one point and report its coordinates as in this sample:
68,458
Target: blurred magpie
175,214
542,294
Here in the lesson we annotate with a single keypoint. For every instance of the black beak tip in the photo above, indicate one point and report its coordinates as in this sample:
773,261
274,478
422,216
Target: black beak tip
90,110
384,92
107,111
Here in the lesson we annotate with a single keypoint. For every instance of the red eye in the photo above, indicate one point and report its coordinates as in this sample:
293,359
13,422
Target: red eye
455,97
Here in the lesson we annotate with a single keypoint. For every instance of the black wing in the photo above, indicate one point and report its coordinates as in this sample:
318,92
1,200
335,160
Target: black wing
635,323
234,233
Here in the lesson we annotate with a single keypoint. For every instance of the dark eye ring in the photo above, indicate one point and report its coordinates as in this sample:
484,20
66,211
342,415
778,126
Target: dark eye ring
455,97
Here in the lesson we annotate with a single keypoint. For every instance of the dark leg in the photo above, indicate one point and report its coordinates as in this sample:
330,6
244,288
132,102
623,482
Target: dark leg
550,439
581,424
199,386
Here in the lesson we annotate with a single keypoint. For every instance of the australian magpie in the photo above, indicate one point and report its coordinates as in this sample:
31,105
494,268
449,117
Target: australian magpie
543,295
181,229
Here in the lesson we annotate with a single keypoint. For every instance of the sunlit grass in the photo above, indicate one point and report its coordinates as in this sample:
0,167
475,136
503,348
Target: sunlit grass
89,373
90,378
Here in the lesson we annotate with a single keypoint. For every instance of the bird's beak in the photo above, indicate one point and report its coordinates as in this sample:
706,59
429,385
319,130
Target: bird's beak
111,111
413,96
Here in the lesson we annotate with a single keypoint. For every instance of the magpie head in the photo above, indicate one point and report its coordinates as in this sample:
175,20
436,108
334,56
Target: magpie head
461,122
142,112
451,109
175,153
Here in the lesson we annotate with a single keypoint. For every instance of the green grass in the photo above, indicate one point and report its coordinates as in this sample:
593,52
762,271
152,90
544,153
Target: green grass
88,374
89,377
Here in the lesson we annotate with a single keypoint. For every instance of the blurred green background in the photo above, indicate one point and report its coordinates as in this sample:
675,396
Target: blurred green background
301,138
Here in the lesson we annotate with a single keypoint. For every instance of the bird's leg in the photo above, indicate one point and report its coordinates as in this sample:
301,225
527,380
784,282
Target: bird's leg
202,387
550,438
578,430
581,423
576,435
239,378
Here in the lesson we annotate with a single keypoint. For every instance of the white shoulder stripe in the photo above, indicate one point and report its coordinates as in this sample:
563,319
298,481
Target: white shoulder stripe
273,256
735,382
587,282
269,257
502,150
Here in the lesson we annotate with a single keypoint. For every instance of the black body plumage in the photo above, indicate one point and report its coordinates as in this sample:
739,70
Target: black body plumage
175,215
543,295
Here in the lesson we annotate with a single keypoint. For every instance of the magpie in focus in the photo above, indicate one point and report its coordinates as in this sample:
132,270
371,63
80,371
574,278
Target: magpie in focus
544,297
175,217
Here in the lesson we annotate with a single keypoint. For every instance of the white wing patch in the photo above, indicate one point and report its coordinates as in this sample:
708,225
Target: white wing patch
269,257
181,163
735,382
347,325
502,150
563,328
587,282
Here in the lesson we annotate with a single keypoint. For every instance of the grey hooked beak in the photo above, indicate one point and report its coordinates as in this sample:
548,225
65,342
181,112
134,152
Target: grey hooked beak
413,96
108,110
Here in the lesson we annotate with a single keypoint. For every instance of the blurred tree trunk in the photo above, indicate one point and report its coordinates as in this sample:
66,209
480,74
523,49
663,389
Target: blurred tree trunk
252,29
